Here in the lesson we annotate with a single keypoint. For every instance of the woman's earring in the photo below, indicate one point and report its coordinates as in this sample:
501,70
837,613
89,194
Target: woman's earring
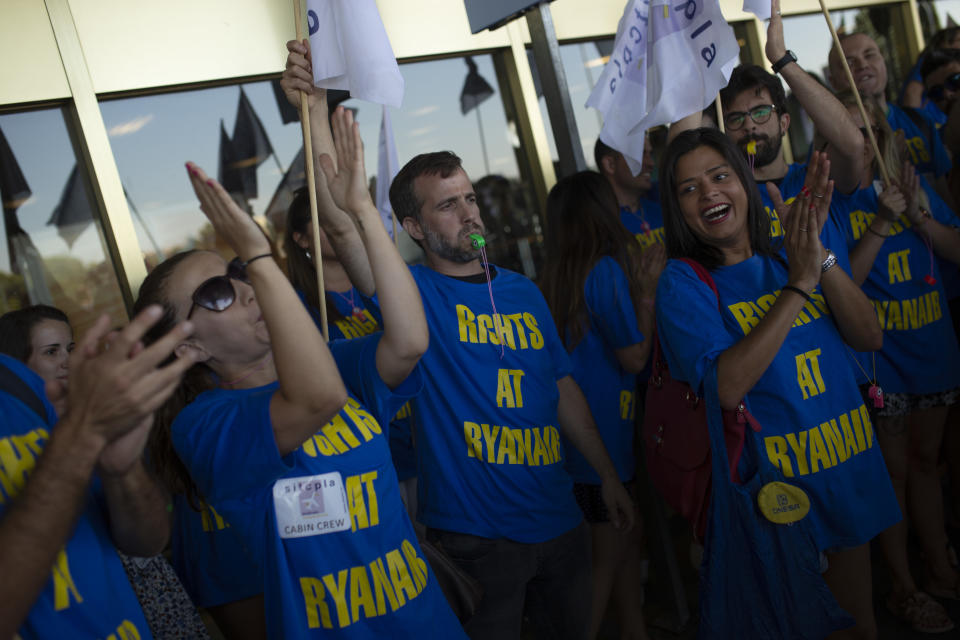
307,251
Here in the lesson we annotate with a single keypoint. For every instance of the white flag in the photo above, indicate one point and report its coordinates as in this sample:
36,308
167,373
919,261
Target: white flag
669,60
387,168
760,8
351,51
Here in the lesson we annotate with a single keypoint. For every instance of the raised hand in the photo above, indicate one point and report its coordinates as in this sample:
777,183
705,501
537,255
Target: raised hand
652,261
817,183
910,187
892,204
298,75
775,47
805,253
230,222
112,391
347,181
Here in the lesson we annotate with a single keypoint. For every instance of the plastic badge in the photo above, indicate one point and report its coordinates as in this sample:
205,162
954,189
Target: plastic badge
645,226
783,503
876,394
929,279
358,313
478,240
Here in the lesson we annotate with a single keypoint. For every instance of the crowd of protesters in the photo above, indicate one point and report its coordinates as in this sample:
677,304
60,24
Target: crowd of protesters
461,459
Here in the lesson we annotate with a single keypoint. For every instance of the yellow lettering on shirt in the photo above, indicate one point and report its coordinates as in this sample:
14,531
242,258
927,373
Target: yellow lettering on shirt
362,500
346,431
355,327
918,150
509,394
126,630
748,313
211,520
516,330
18,457
656,236
628,405
898,266
498,444
909,314
64,588
821,447
808,374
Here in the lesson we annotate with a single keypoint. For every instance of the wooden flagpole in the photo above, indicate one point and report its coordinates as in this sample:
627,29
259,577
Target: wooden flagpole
853,87
311,183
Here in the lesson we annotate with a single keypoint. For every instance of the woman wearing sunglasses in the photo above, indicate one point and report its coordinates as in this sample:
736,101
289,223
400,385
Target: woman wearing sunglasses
287,443
893,235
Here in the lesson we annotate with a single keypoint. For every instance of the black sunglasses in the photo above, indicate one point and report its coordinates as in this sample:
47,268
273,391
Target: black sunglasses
936,92
217,293
759,114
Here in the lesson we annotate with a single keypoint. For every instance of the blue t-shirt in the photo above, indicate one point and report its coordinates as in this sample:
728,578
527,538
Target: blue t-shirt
339,553
610,390
489,454
355,325
919,353
926,148
210,557
88,594
815,427
646,223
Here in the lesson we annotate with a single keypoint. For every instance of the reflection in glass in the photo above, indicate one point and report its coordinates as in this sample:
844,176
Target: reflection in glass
153,136
52,250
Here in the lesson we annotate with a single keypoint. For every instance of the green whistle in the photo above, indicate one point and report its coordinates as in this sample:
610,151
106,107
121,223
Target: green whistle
478,240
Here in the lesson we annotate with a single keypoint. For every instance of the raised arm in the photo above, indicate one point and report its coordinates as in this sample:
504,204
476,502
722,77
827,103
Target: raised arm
829,116
634,358
109,394
405,334
944,240
339,227
311,391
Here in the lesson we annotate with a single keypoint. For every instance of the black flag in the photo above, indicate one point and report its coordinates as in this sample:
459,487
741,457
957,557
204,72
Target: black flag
14,189
475,88
288,113
293,179
251,146
73,213
227,173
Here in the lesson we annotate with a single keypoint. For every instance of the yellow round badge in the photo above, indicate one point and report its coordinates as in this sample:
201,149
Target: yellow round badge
783,503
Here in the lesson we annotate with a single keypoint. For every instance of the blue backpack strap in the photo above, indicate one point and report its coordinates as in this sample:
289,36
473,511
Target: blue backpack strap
11,383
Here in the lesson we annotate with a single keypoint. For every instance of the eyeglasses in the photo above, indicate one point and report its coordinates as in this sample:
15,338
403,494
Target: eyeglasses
217,293
936,92
759,114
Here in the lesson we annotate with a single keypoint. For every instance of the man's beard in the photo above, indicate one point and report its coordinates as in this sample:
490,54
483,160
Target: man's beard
451,252
768,149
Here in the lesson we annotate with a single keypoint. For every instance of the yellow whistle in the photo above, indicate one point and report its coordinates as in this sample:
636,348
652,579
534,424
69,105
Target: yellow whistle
752,147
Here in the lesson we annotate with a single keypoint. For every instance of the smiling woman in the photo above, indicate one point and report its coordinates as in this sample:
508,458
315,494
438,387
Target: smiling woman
772,334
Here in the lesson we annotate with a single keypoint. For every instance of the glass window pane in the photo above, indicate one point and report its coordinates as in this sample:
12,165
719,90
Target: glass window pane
153,136
936,14
52,250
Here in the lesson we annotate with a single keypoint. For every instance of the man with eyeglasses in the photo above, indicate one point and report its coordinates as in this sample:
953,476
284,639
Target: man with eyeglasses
755,118
869,69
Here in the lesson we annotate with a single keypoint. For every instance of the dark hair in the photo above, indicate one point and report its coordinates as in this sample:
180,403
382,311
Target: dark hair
939,40
938,58
403,197
600,151
582,225
16,327
162,456
300,267
749,76
681,242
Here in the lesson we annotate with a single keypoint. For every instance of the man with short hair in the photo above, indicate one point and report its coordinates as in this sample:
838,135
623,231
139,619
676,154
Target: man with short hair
941,80
639,212
497,393
869,70
62,577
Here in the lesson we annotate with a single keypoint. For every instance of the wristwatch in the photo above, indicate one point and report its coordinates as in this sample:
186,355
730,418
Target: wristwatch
829,262
787,58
